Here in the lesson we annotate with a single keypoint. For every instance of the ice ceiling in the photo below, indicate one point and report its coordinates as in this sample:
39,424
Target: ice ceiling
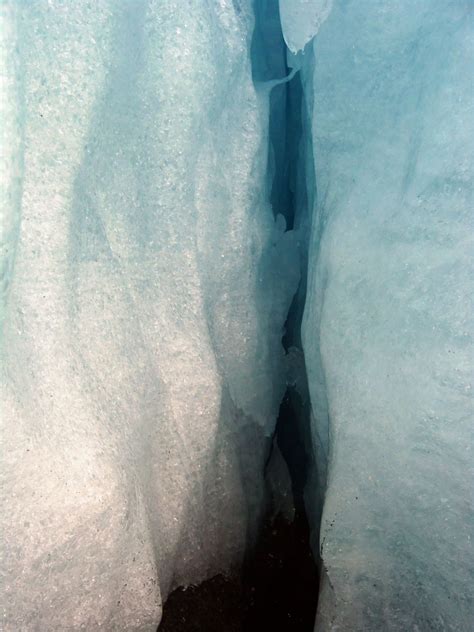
195,216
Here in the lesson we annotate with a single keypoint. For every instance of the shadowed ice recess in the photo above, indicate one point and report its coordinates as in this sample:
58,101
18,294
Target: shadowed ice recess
217,214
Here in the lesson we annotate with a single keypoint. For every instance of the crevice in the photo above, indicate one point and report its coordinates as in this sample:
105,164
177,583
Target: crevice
279,583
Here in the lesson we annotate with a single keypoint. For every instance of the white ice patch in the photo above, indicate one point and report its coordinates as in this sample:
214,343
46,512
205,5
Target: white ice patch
301,20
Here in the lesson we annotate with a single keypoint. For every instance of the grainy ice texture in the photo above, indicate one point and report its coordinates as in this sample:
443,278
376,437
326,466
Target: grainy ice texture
388,321
141,355
11,146
145,283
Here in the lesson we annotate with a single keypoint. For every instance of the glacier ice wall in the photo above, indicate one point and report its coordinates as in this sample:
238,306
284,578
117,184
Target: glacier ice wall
149,174
388,321
11,154
142,364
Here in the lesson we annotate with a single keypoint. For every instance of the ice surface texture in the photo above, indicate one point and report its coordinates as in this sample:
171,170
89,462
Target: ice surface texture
145,284
387,328
142,358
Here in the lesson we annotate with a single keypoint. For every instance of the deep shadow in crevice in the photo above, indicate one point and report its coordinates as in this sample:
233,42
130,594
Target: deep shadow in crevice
278,587
277,590
281,578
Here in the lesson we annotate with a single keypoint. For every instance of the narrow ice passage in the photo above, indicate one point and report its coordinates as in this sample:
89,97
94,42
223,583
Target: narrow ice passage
210,207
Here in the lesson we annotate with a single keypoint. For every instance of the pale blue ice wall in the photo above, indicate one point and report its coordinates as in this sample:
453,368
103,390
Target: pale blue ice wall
11,153
146,287
142,363
388,321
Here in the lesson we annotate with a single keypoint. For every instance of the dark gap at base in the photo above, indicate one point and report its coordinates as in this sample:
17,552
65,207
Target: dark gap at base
277,590
279,584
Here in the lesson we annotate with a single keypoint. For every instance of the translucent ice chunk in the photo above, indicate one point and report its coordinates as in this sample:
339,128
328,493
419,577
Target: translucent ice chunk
301,20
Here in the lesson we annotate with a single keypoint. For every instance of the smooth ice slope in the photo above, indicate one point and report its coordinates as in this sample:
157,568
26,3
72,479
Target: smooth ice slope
142,362
387,329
